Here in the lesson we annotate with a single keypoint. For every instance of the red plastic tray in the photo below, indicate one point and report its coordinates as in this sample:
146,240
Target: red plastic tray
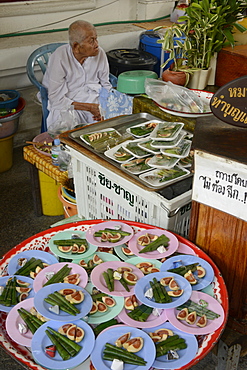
40,241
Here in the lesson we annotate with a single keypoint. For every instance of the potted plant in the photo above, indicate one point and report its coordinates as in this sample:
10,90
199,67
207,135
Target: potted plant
206,27
173,43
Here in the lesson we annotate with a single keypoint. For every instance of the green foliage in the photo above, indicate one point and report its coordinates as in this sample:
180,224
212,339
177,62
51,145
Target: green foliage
207,26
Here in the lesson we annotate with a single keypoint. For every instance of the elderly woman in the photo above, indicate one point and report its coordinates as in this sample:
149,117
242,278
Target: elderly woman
75,74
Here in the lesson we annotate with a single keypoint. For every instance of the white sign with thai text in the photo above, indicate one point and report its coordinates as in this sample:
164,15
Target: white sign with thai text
220,183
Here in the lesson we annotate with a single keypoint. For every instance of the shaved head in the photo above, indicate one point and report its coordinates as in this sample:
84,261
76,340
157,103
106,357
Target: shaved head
78,31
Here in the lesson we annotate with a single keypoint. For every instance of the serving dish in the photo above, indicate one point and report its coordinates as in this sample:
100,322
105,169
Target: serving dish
166,131
13,320
177,261
143,285
67,235
3,282
40,241
172,245
100,317
211,325
45,257
110,335
40,341
185,355
158,177
121,124
119,291
47,140
114,225
41,278
205,96
44,308
141,130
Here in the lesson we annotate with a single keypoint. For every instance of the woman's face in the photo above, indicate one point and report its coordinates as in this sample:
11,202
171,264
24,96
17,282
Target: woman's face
89,47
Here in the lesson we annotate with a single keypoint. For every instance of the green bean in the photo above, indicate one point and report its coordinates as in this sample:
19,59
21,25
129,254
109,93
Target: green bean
59,275
25,271
193,306
124,284
107,280
62,301
110,272
122,354
70,242
28,321
182,270
76,347
161,240
104,325
61,350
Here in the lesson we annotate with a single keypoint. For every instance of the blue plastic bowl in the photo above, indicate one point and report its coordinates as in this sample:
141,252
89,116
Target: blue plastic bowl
13,100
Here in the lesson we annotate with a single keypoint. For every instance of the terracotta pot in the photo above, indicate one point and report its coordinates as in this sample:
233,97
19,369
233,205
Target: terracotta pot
177,78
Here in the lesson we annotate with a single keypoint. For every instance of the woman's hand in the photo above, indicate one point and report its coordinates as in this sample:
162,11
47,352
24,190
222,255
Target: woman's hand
96,112
89,107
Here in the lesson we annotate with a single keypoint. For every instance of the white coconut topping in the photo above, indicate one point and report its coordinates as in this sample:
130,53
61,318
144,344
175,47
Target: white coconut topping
49,275
161,249
117,364
117,275
22,327
149,293
157,312
54,309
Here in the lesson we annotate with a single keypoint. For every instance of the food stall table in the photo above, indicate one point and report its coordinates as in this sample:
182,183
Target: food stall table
104,190
41,162
40,241
145,104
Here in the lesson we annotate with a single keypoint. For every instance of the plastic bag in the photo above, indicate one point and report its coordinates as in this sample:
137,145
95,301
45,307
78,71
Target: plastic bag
178,10
174,97
64,160
67,121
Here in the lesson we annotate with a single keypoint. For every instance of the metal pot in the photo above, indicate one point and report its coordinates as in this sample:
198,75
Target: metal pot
9,125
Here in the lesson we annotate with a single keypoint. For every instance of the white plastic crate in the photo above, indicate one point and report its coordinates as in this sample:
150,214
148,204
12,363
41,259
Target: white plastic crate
103,194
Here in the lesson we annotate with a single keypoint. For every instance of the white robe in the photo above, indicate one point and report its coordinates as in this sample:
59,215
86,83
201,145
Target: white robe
67,81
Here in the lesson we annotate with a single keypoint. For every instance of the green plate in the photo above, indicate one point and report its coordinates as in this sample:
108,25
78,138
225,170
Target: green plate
100,317
103,255
136,260
67,235
121,254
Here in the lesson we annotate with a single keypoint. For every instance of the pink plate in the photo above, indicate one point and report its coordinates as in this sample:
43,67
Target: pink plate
44,137
12,321
172,244
40,279
185,249
98,280
150,323
211,326
111,225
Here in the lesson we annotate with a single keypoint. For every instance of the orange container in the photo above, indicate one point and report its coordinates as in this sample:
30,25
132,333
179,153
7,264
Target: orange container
70,209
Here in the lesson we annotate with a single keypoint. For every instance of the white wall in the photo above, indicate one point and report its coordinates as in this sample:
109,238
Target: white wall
45,16
48,15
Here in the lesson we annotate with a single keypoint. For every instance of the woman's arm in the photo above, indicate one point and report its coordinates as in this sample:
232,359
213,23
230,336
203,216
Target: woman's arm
89,107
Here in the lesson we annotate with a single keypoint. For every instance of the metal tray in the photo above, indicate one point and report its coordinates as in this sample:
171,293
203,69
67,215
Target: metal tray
120,124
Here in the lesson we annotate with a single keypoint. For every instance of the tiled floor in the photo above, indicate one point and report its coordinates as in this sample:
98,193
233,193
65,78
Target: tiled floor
18,222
